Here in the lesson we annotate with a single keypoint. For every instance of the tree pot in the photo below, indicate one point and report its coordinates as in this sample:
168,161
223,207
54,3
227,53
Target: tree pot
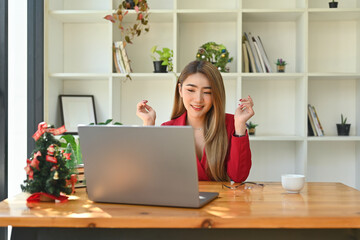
131,4
159,68
280,68
252,131
333,4
343,129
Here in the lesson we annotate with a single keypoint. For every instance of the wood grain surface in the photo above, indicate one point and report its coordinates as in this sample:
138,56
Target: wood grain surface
319,205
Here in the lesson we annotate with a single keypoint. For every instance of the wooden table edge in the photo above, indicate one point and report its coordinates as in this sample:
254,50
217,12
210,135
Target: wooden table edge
240,223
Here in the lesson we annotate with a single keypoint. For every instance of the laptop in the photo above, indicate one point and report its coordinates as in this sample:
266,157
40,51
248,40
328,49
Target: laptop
147,165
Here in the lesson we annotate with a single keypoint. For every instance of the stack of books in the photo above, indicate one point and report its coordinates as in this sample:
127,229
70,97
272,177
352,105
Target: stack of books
121,60
314,125
254,55
80,177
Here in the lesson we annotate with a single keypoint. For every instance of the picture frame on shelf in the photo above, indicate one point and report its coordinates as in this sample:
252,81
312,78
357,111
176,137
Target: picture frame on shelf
77,109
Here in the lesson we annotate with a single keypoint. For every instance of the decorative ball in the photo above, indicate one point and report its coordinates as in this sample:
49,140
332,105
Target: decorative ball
222,55
203,56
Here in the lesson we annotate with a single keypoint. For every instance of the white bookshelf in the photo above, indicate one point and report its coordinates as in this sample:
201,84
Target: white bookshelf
321,46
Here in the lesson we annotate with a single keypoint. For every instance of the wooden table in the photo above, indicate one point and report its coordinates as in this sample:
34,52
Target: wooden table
318,206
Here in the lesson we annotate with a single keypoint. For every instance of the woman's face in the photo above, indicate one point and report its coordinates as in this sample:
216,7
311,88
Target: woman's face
196,94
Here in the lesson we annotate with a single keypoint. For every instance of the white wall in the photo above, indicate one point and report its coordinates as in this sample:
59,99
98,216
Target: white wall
17,72
17,94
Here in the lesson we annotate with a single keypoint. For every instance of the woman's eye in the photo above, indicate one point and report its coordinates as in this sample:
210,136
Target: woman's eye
207,92
190,90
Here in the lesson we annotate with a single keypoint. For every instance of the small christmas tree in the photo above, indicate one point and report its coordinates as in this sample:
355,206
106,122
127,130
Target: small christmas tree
46,169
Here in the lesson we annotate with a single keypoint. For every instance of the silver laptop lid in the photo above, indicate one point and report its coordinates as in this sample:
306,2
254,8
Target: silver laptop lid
140,165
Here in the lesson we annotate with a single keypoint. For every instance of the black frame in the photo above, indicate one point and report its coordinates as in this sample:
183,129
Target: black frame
3,105
62,108
35,80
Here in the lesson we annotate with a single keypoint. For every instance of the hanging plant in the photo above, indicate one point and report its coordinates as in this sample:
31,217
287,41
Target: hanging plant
141,8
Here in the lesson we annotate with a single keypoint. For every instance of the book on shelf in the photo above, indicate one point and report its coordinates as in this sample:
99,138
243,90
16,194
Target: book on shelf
310,128
250,56
258,59
259,54
318,119
253,53
125,57
311,125
119,58
264,55
80,177
316,122
245,59
116,63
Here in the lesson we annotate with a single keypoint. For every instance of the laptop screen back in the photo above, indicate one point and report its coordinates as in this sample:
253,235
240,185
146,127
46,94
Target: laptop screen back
140,165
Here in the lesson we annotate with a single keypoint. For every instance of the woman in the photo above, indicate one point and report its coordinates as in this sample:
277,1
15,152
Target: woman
221,140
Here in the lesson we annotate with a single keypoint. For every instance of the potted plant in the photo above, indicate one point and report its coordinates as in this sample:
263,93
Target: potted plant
163,61
280,64
343,128
216,54
251,127
333,4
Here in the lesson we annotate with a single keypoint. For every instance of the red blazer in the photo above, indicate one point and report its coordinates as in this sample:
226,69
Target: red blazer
238,159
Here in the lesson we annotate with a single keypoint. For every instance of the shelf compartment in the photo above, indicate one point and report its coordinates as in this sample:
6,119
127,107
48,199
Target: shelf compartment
331,162
333,44
160,34
192,35
279,105
210,4
71,85
269,4
282,34
329,96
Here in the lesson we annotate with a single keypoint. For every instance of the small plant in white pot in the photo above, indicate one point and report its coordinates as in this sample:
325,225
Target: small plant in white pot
343,128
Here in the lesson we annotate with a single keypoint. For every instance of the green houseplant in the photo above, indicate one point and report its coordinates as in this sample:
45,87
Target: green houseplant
163,60
251,127
343,128
333,4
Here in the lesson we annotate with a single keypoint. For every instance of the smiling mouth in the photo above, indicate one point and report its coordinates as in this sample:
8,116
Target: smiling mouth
197,108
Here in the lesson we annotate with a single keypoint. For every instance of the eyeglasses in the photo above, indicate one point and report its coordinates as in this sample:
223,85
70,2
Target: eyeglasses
247,185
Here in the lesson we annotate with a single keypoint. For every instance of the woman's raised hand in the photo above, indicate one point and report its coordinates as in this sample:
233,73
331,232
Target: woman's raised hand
245,110
146,113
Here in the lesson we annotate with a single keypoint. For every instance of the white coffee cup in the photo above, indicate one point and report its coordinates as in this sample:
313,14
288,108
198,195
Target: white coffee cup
292,183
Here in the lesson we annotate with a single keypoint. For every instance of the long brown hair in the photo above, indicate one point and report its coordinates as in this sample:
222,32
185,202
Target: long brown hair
216,142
